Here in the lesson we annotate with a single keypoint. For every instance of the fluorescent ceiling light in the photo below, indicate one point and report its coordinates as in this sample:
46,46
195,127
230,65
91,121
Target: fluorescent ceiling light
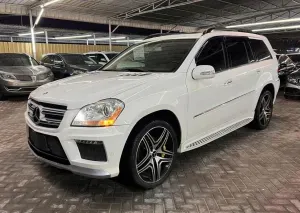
39,17
26,34
131,41
106,39
276,28
72,37
265,23
50,2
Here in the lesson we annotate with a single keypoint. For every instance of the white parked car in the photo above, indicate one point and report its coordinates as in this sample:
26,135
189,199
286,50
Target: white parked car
101,57
163,96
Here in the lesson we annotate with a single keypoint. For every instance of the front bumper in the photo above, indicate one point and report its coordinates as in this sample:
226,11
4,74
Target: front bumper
292,90
13,87
113,139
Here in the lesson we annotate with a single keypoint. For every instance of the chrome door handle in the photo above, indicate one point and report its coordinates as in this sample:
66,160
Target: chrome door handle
228,82
258,71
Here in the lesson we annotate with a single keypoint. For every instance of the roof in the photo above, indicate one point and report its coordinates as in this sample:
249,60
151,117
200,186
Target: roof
198,35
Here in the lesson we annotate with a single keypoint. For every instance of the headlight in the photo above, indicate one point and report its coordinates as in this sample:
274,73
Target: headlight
7,76
77,72
99,114
292,80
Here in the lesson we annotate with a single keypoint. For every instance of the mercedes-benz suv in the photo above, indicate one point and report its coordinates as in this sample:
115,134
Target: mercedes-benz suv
166,95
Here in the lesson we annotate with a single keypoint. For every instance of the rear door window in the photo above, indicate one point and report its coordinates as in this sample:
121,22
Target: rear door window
260,50
236,51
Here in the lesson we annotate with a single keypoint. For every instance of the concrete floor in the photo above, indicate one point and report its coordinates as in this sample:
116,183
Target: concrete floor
246,171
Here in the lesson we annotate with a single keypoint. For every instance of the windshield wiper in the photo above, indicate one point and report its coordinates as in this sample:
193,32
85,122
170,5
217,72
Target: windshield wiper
133,70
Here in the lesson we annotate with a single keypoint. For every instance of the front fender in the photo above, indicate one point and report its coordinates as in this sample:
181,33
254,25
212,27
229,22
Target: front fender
153,100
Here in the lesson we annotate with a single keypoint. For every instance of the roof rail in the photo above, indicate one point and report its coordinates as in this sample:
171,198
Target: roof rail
160,34
209,30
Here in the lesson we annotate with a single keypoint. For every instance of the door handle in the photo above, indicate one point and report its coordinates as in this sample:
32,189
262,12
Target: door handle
228,82
258,71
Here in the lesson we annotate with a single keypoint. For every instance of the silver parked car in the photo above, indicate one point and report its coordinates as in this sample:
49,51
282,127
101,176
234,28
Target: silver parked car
20,74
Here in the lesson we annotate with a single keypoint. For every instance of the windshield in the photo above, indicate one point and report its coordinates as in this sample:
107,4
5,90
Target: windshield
77,59
286,60
111,55
17,60
295,58
159,56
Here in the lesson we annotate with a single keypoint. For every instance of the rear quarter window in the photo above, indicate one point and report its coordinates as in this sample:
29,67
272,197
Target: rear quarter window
260,50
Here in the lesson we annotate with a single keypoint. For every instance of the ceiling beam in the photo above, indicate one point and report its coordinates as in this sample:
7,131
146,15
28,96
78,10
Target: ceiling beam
15,9
153,7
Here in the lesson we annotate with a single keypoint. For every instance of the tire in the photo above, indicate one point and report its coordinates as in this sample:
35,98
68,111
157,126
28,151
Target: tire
1,96
151,155
263,111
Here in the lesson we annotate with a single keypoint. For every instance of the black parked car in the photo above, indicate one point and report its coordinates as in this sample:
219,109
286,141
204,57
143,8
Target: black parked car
286,67
292,88
65,64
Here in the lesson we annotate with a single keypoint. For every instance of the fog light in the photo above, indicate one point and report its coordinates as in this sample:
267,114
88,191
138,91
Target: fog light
91,150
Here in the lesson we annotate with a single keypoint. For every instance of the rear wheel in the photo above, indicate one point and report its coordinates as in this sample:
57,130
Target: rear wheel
151,156
263,111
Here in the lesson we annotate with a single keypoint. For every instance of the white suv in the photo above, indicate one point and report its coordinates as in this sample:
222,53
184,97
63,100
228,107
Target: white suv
164,96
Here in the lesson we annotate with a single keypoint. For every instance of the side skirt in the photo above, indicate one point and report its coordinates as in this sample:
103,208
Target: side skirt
216,135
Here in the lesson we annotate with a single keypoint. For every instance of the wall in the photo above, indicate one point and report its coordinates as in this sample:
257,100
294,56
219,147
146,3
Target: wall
42,48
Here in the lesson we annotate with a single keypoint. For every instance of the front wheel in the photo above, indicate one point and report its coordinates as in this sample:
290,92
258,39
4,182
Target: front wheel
152,154
263,111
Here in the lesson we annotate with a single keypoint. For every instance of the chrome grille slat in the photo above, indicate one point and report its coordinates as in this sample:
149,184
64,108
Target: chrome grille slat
47,116
49,110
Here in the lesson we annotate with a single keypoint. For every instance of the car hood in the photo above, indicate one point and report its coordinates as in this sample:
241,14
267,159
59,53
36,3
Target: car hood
86,67
24,70
78,91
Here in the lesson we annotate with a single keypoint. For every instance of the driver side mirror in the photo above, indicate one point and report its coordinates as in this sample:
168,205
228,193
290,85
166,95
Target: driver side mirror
58,63
203,72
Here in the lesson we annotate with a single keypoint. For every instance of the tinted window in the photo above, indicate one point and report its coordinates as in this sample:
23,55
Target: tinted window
236,51
97,57
260,50
284,59
17,60
295,58
56,59
77,59
212,54
46,60
159,56
111,55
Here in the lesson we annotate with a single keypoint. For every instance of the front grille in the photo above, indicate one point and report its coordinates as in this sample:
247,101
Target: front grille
45,114
23,77
20,89
47,147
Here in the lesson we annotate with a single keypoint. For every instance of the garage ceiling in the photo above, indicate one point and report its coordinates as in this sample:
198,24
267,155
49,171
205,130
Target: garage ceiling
182,15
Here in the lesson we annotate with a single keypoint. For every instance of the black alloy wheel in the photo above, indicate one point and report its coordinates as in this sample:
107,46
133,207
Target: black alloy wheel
152,154
263,111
